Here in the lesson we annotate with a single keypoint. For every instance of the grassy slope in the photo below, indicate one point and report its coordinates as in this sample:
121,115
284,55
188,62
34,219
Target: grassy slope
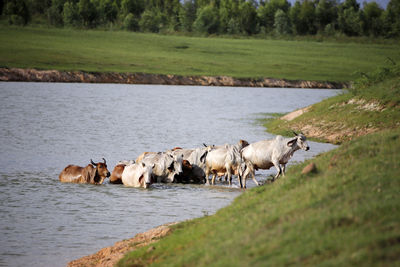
333,117
347,213
64,49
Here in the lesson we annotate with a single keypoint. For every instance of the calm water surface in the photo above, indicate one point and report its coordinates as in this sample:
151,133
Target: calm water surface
44,127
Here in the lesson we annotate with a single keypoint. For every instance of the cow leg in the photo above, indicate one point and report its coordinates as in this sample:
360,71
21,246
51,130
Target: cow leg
229,174
213,178
283,169
254,179
240,181
207,174
278,168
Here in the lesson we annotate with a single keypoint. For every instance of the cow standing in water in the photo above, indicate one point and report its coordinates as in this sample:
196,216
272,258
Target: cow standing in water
274,152
93,173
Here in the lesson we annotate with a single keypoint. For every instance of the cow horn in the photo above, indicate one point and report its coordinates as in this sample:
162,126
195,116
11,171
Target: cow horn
91,161
294,133
205,145
104,160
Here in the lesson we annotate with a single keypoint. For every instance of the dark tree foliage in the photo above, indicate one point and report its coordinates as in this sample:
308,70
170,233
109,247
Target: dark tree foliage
17,12
247,17
391,19
187,15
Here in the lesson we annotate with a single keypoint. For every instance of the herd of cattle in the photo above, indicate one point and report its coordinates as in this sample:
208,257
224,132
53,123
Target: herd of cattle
181,165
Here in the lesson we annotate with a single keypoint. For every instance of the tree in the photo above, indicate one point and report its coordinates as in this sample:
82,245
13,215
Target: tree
88,13
247,17
17,12
266,12
108,11
37,6
228,16
171,11
325,13
391,19
303,17
70,14
207,20
131,23
54,13
372,19
281,22
187,15
349,20
151,20
136,7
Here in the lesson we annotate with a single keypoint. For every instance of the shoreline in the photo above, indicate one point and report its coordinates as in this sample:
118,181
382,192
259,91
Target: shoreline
109,256
35,75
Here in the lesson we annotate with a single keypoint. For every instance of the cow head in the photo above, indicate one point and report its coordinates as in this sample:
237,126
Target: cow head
145,177
174,164
300,141
242,144
101,172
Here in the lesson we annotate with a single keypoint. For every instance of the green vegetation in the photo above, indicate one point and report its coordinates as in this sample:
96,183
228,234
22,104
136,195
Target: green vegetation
346,213
237,17
372,105
94,50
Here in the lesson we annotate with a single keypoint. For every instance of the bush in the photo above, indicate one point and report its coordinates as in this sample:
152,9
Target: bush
54,13
70,14
130,23
151,21
282,22
207,20
380,74
17,12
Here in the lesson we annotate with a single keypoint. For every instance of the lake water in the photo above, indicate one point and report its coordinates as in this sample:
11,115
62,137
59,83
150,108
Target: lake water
44,127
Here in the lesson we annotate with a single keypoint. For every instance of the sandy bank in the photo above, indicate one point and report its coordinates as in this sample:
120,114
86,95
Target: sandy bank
109,256
34,75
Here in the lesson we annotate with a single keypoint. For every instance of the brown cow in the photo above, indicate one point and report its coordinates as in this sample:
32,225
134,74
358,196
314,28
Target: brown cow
116,175
93,173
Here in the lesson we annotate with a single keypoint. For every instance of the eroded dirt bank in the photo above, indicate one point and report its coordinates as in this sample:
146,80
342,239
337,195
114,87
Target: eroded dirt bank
109,256
34,75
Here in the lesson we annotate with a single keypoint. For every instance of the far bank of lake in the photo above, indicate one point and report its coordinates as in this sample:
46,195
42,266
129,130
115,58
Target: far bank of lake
34,75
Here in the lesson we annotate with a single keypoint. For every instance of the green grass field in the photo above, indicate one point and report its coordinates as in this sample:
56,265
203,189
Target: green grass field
120,51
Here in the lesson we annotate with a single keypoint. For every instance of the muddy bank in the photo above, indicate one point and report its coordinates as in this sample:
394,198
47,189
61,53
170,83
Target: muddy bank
33,75
109,256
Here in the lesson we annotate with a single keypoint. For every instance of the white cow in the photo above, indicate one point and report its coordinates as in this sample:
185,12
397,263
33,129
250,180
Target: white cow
137,175
166,165
239,146
223,159
274,152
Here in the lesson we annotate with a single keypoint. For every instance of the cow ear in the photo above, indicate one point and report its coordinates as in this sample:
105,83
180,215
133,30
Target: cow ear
291,142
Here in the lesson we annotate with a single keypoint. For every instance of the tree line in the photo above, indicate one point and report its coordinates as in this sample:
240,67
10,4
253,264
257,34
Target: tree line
235,17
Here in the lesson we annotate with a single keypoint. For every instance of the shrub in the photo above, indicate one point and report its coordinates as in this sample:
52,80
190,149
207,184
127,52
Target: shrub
130,23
